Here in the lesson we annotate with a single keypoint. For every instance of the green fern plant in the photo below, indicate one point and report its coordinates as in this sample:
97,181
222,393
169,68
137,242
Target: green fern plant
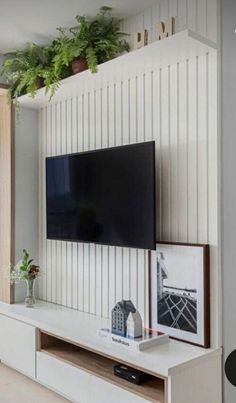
29,69
66,49
95,41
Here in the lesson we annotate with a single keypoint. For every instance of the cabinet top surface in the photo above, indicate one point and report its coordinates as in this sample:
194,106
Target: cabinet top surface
82,328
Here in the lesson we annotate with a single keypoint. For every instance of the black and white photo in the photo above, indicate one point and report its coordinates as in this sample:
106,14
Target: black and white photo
180,291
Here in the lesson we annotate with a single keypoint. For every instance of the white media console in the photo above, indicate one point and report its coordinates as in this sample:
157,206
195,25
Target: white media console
59,347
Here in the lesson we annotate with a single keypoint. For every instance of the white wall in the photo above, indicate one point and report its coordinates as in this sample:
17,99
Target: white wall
26,187
177,107
228,183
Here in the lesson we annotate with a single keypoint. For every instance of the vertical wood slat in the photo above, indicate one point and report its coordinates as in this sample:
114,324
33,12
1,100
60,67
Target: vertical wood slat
80,278
125,102
147,22
192,20
133,110
86,267
202,17
111,249
63,244
53,126
74,147
134,276
212,11
141,136
149,105
202,145
173,8
174,148
59,243
98,248
155,12
118,114
49,242
141,271
105,123
80,260
164,10
119,270
40,164
69,278
141,108
157,136
44,252
92,285
182,11
213,199
192,153
119,273
165,158
182,181
92,248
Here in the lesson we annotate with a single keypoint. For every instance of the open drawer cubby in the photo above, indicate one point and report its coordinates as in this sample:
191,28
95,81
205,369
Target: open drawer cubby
101,366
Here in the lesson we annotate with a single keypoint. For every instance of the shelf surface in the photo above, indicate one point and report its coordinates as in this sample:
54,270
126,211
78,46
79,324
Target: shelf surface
82,328
101,366
160,54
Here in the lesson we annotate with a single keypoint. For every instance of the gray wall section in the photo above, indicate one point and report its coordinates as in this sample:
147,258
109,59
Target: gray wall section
26,160
229,184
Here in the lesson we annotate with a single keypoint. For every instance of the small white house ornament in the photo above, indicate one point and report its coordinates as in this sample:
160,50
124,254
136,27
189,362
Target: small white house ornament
134,325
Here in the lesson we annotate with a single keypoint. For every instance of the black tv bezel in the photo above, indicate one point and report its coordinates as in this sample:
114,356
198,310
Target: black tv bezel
133,145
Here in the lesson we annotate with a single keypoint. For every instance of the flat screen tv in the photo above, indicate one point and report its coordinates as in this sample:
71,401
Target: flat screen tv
104,196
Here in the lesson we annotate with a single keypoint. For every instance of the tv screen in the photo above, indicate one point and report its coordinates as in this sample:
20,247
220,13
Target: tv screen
104,196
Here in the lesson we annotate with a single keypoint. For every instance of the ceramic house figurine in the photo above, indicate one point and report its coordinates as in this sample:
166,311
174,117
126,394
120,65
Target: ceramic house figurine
134,325
120,315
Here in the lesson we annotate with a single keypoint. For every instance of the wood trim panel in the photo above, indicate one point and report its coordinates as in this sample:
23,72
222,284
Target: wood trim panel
7,195
13,207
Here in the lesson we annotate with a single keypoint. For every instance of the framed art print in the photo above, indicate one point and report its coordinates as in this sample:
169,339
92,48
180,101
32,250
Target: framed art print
180,292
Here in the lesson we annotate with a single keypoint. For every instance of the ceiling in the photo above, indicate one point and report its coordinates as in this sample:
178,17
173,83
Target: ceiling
23,21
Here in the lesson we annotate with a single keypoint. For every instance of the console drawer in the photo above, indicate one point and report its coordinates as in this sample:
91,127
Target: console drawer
78,385
70,381
17,345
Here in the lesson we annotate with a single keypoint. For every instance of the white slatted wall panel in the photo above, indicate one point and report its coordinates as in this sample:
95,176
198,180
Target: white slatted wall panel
177,107
200,16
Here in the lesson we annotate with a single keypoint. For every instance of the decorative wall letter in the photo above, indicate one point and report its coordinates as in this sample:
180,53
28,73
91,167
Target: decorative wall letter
166,28
140,39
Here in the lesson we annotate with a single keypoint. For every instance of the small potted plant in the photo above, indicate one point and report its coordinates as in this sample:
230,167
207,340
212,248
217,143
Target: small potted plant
89,43
25,270
86,45
30,69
